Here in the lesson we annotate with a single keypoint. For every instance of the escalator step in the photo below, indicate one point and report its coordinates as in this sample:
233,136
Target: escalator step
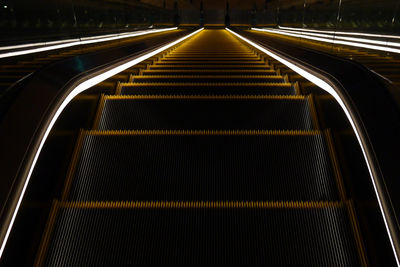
206,67
213,63
215,58
209,78
180,112
210,58
207,89
203,166
202,237
209,72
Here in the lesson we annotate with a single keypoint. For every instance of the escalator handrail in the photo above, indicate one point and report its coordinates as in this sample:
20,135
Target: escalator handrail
375,118
39,102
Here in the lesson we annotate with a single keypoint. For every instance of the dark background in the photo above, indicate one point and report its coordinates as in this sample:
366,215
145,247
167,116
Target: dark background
28,20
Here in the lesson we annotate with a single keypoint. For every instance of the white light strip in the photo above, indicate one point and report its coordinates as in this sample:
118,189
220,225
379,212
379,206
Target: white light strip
77,90
343,33
359,45
333,36
73,42
325,86
38,44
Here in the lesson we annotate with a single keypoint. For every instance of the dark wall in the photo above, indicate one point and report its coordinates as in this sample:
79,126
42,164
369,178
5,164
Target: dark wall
39,20
361,15
24,20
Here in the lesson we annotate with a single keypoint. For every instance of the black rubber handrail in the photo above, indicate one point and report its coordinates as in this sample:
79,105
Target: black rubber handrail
373,105
38,98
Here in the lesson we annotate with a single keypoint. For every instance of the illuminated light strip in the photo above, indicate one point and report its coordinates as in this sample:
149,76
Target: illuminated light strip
343,33
74,42
38,44
325,86
359,45
77,90
362,40
122,35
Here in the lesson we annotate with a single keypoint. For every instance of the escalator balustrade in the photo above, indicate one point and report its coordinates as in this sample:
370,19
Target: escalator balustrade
207,156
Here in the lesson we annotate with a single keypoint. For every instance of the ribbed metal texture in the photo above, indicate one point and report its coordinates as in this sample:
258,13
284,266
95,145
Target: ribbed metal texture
216,78
202,237
204,168
208,89
203,114
209,67
210,72
219,62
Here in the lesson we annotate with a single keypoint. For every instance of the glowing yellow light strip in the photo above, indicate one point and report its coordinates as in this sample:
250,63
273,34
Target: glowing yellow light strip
325,86
78,89
332,41
73,42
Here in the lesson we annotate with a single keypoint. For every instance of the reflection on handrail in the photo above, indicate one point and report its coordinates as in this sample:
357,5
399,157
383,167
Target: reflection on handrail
46,46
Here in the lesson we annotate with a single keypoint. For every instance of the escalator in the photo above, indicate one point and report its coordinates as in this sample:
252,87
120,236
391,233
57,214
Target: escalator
208,155
15,68
385,64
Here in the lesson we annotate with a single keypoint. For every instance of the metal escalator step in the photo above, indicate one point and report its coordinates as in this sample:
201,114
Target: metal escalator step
207,88
209,57
210,54
201,237
209,78
205,112
209,72
221,62
188,60
202,165
206,67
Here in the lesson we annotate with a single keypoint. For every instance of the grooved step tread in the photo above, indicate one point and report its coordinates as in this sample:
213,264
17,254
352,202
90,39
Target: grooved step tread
284,84
231,59
208,72
206,113
209,78
239,63
214,57
204,66
212,167
207,88
152,237
201,204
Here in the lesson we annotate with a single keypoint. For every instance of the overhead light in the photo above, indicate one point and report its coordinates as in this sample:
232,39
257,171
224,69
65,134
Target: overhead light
325,86
77,90
46,46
